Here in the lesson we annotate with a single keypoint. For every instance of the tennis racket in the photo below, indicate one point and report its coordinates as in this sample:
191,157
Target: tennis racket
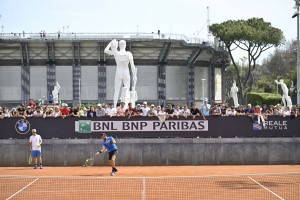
89,162
29,158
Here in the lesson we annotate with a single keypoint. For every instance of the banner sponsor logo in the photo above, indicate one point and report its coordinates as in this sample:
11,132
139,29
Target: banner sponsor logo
88,126
22,126
271,125
276,125
257,126
85,126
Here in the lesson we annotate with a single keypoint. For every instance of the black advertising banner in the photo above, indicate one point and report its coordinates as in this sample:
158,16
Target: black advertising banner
150,127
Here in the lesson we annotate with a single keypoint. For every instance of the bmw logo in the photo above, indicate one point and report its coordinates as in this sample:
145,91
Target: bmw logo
22,126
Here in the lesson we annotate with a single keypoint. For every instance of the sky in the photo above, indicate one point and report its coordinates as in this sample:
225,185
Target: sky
188,17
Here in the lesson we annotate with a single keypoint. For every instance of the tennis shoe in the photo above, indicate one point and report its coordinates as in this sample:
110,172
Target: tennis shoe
116,170
41,166
35,166
112,173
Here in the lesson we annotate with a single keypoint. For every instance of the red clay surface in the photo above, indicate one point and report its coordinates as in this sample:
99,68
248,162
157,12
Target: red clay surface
150,171
165,186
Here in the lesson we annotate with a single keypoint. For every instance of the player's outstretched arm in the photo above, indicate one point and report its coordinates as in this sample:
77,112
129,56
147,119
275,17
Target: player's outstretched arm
101,151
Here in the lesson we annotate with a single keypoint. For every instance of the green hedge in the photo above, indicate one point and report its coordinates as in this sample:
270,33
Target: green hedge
263,98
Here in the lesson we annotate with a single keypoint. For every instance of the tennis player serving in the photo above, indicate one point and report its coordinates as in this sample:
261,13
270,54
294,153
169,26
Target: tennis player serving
109,143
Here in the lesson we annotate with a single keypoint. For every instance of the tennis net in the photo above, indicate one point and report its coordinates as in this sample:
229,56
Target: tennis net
261,186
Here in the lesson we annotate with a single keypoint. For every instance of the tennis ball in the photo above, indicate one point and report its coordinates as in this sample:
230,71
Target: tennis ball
87,160
83,165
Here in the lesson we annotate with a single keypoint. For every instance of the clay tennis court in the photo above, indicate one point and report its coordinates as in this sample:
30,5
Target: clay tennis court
153,182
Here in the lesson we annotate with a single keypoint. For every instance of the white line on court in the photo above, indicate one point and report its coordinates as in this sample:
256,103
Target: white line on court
22,189
266,188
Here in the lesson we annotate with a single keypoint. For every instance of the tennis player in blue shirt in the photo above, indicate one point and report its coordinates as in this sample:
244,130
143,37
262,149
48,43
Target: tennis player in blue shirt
109,143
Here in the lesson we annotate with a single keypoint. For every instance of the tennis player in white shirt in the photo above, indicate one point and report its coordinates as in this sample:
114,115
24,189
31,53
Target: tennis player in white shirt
35,142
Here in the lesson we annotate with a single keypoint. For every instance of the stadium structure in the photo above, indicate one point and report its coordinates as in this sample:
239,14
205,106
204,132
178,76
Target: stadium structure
171,68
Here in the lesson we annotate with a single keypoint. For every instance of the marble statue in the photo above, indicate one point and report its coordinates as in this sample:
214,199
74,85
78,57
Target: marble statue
123,58
233,93
286,99
55,93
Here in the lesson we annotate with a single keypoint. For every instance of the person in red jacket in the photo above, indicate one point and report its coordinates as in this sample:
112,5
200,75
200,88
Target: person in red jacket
32,104
65,111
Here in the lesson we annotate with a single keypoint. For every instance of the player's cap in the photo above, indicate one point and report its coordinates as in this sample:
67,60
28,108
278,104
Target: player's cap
103,135
152,105
99,104
138,105
28,107
145,102
34,130
205,99
66,105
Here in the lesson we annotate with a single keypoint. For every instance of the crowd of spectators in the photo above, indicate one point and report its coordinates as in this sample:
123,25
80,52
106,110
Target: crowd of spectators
261,113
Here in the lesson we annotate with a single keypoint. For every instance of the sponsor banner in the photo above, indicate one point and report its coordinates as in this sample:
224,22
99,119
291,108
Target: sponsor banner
257,126
88,126
271,125
22,126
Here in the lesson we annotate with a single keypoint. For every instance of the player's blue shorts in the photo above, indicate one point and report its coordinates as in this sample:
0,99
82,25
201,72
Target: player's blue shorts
36,153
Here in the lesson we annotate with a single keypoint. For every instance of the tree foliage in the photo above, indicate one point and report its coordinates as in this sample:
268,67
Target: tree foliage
253,36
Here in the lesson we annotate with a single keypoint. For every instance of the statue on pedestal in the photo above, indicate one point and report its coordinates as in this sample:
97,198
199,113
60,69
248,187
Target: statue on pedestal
123,58
55,93
285,95
233,93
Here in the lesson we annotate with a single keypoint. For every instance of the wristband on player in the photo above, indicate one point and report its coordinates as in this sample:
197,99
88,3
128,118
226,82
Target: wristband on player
100,151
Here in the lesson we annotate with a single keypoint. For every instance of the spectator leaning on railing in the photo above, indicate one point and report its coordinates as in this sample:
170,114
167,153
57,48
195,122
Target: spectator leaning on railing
139,111
29,112
4,113
21,112
145,109
223,110
195,112
249,110
56,112
47,112
130,111
100,112
121,110
65,111
13,112
215,111
293,112
231,112
177,111
152,112
111,111
73,112
170,111
185,112
277,110
298,109
83,113
91,113
38,112
286,112
240,111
